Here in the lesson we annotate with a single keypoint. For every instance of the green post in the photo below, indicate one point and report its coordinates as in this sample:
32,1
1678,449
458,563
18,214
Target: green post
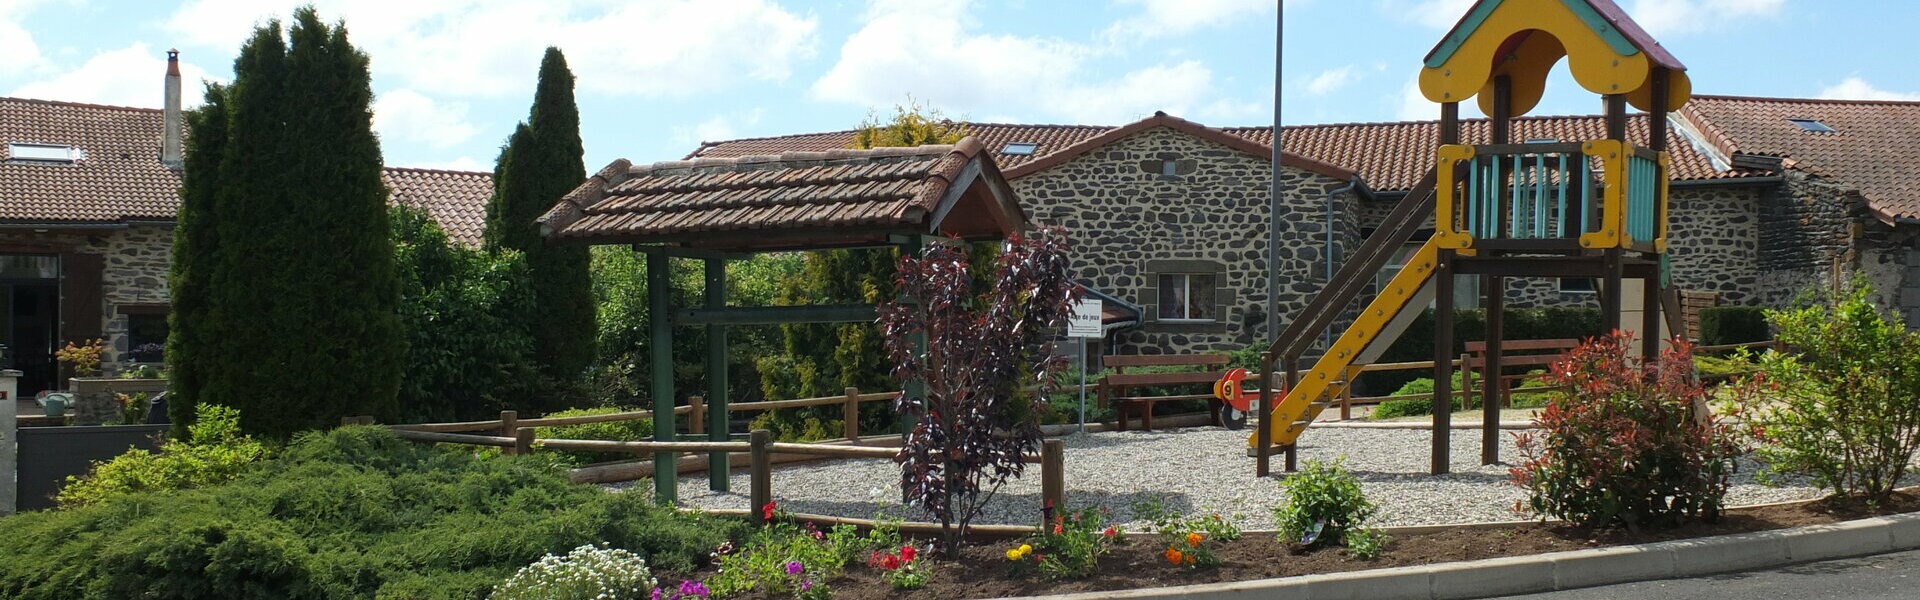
717,471
666,472
911,248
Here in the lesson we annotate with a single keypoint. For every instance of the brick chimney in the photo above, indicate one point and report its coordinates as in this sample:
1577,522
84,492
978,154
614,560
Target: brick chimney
170,147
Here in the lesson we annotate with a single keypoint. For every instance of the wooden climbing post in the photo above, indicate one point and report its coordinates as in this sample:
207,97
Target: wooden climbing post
1442,362
1493,386
1053,478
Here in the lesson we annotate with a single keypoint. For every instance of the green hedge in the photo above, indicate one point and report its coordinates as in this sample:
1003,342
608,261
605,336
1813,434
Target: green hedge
1733,325
352,513
1470,325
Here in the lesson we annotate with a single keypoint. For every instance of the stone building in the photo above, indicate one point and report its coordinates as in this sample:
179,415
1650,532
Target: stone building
88,196
1170,217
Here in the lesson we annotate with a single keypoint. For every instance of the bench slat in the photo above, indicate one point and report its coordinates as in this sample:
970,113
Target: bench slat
1163,360
1509,345
1132,379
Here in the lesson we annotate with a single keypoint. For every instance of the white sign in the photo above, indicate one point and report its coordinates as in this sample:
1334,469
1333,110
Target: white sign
1086,319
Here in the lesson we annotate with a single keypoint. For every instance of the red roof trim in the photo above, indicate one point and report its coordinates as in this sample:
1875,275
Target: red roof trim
1161,119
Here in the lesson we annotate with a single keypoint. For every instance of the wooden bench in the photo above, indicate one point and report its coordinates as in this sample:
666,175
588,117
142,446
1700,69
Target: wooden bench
1113,387
1513,353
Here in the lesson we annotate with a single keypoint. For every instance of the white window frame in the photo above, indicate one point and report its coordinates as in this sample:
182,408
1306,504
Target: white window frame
1186,283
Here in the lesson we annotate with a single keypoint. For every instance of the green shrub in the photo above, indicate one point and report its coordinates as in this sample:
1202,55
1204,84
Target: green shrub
1720,325
1068,547
1712,367
1410,407
1323,503
765,564
1621,447
1843,404
215,452
586,573
634,430
1189,541
1367,543
351,513
1470,325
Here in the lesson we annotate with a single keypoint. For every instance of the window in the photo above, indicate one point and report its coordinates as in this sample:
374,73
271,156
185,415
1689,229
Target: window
147,337
1188,297
1812,125
1576,285
1169,168
1020,148
52,153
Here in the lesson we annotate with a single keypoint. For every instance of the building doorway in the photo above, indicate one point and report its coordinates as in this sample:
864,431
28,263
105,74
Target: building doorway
30,319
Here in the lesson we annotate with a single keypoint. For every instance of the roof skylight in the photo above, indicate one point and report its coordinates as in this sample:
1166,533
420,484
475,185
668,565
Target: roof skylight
1812,125
1020,148
59,153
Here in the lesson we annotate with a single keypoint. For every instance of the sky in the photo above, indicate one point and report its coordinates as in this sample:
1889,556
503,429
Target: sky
657,77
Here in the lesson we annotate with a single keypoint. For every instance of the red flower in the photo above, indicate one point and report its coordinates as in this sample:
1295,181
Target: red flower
889,562
1056,529
766,512
907,553
1110,532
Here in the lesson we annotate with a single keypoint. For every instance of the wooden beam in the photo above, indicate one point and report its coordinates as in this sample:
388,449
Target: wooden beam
1442,364
1493,382
716,292
777,315
685,252
1657,117
659,304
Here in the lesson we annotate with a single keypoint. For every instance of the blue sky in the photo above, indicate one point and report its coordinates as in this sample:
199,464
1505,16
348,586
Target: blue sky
658,76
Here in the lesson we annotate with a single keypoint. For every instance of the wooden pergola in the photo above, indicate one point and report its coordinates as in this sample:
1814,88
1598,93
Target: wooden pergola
717,210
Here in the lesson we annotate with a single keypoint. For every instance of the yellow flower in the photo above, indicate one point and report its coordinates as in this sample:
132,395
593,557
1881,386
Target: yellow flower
1013,554
1026,548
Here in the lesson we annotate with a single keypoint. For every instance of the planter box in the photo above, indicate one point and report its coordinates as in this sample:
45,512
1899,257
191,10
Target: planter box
93,397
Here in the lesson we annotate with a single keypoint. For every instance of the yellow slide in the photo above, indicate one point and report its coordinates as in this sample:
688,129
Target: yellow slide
1375,329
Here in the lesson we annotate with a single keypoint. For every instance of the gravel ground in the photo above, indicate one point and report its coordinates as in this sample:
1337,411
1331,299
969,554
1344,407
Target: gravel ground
1202,469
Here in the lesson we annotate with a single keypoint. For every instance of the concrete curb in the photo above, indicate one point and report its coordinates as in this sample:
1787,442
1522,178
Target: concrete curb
1564,570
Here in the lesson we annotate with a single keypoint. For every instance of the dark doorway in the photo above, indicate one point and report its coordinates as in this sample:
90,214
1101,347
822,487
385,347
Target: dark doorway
29,319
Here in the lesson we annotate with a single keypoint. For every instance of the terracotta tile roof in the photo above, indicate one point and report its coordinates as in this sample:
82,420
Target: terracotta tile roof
1389,156
455,199
1394,156
1160,119
796,199
1875,145
121,178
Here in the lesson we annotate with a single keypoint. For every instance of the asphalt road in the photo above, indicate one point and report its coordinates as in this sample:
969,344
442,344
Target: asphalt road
1883,577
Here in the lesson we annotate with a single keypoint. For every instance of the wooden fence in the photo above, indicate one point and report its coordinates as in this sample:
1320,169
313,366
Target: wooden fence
695,410
759,446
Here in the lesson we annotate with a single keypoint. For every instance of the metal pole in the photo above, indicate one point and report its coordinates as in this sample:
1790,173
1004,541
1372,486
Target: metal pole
1083,385
1273,203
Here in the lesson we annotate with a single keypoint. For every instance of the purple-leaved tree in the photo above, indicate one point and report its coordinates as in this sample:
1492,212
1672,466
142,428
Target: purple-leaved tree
988,360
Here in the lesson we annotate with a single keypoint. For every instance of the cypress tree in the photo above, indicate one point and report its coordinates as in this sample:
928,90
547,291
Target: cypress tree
540,163
195,253
304,294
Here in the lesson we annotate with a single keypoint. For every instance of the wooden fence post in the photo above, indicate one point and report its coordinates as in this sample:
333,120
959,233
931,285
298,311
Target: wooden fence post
509,423
523,441
697,416
760,489
850,414
1053,478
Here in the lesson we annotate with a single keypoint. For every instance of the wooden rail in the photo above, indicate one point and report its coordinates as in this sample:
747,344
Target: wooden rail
759,446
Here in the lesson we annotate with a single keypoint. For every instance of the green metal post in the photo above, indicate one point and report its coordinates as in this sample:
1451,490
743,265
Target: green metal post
717,468
915,388
666,472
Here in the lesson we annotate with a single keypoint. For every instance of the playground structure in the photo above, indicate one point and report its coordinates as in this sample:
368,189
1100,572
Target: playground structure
1565,208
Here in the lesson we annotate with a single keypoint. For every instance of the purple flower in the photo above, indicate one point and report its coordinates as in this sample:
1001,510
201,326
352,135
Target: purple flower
795,568
694,588
656,594
806,585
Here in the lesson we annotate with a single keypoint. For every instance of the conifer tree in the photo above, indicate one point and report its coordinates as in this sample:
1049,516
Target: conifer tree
540,163
195,253
301,324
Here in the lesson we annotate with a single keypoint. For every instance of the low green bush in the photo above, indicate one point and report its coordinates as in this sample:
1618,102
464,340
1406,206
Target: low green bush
787,560
1323,504
619,431
214,452
351,513
1413,407
1720,325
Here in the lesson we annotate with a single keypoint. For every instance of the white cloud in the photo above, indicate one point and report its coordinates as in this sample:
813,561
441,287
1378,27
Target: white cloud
1175,17
655,48
16,42
409,116
1855,88
458,163
716,128
1437,14
1678,17
131,76
1415,106
1330,80
929,50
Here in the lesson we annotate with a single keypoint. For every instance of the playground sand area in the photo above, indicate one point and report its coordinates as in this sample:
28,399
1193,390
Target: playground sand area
1205,470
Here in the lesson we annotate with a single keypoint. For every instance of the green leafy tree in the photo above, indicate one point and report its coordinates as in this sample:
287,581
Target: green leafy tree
467,355
540,163
297,322
191,337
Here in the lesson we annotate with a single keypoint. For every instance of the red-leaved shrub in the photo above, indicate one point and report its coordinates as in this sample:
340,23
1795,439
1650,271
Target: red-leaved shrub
1627,442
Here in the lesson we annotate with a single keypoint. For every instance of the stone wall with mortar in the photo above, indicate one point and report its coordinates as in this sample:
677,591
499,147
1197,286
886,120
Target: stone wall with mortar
1130,223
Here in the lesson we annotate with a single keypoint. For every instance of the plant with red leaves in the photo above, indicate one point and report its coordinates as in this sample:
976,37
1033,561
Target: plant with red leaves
1630,443
974,419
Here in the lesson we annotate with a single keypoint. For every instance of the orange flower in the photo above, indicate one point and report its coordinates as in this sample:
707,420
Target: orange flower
1193,539
1173,555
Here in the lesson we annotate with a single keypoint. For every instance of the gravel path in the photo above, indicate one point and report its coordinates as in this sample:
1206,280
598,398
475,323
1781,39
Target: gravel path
1202,469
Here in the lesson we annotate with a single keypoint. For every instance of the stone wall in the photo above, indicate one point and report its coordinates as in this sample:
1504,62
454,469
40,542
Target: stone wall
1130,223
134,272
1805,233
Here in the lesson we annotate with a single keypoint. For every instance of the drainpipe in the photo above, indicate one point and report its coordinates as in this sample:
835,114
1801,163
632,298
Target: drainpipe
1327,337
